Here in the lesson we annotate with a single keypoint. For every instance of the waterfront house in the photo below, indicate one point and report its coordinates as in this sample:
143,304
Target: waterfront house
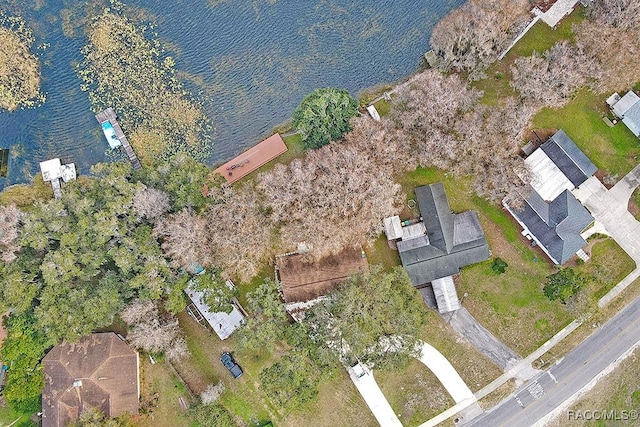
549,213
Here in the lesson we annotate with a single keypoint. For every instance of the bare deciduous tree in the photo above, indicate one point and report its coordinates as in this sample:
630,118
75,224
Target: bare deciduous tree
553,77
151,333
616,53
472,36
239,230
151,203
622,14
332,197
212,393
9,230
184,237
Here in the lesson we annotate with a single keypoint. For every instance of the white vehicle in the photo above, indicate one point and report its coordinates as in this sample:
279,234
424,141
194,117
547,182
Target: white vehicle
358,370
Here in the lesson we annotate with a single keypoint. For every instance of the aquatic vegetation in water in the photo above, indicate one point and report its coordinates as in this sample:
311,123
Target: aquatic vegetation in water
124,68
19,68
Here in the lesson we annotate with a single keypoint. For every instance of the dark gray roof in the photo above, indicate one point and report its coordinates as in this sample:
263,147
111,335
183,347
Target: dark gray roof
436,214
452,241
555,225
569,158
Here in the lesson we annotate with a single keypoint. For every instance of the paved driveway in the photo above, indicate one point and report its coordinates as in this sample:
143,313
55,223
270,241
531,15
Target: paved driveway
448,376
372,395
609,207
466,325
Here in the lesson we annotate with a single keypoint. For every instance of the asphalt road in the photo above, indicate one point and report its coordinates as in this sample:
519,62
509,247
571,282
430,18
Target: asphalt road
552,387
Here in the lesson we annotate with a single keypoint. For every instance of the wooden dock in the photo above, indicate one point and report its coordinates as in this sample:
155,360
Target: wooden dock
109,115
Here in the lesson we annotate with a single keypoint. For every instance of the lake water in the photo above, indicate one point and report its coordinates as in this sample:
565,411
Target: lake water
250,62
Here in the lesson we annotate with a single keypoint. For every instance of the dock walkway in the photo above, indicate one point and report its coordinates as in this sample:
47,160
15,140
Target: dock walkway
109,115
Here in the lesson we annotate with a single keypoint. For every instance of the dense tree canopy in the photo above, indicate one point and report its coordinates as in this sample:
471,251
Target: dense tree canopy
323,116
375,317
85,255
22,350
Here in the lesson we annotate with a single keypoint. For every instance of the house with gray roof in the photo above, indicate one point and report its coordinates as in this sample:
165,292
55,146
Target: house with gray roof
555,226
441,244
549,213
627,109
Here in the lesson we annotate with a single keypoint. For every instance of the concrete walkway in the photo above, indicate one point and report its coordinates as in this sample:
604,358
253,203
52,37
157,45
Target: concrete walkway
559,10
375,400
478,336
446,373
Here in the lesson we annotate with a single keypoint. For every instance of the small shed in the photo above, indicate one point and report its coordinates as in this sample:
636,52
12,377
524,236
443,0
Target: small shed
223,324
393,227
53,171
446,296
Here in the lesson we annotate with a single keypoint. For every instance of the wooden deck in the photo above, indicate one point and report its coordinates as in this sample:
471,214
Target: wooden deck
252,159
57,191
109,115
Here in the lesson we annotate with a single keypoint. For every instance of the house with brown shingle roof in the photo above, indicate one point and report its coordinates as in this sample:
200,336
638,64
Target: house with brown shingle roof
304,278
99,371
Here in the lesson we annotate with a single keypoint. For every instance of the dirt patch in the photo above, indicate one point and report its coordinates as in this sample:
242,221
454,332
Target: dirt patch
539,136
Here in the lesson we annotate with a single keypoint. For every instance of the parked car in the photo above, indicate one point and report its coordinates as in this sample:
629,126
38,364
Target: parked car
358,370
231,365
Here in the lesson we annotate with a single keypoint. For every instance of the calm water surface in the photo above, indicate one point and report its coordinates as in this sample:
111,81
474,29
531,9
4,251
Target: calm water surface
250,62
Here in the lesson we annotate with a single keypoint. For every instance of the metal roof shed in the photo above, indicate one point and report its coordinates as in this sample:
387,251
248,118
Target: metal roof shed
223,324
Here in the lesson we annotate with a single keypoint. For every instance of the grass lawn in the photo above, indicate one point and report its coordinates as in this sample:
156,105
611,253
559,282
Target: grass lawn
475,369
405,391
379,253
618,391
634,204
609,264
614,150
8,416
159,399
383,107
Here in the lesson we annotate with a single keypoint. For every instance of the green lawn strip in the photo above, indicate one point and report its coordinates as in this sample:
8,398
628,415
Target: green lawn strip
160,386
338,404
8,416
635,199
407,392
383,107
542,37
245,287
613,150
609,264
379,253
